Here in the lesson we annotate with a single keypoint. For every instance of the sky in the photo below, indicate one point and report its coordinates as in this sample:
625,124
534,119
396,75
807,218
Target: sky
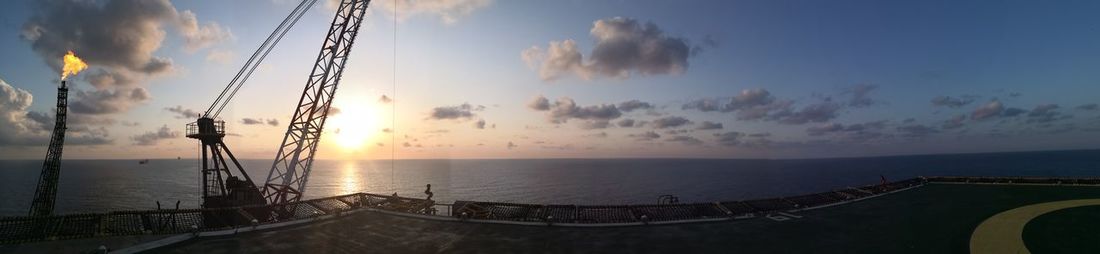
458,79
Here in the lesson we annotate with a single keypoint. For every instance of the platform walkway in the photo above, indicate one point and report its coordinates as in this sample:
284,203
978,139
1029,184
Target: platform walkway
19,231
936,218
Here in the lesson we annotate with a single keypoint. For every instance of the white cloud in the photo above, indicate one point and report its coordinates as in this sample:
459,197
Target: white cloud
222,56
623,47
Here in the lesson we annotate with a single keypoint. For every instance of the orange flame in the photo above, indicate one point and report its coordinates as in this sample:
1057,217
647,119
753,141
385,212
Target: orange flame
73,65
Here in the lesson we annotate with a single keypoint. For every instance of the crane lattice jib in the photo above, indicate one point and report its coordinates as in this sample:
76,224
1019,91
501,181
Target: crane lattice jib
287,179
46,192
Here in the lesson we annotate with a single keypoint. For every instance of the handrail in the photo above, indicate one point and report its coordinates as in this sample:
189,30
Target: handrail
24,229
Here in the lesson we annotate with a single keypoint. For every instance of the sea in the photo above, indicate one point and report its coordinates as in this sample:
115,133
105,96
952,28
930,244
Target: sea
92,186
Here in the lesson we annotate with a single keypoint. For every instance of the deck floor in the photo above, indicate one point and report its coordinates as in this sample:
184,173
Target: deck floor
937,218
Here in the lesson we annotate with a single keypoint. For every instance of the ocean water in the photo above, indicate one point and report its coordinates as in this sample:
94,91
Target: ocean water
107,185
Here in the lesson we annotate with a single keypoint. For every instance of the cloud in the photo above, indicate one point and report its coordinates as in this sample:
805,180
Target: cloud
860,96
118,38
955,122
990,110
79,130
748,98
195,36
100,102
480,124
333,110
565,108
1012,112
813,113
20,128
873,125
824,129
121,34
670,122
259,121
597,135
251,121
686,140
1045,113
448,11
539,103
732,138
595,124
151,138
708,125
631,105
645,136
623,47
1043,110
750,104
740,139
916,130
1089,107
222,56
463,111
182,113
675,132
627,123
854,133
951,102
103,80
385,99
761,135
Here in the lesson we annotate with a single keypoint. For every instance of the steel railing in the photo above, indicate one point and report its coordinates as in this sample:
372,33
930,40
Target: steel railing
173,221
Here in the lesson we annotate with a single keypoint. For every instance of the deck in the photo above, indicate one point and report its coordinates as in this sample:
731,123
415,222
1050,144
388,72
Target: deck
933,214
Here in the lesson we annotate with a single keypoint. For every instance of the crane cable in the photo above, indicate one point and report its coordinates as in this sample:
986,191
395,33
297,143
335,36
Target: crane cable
393,105
253,68
254,61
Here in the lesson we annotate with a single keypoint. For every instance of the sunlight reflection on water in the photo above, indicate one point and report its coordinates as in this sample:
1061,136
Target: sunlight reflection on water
350,179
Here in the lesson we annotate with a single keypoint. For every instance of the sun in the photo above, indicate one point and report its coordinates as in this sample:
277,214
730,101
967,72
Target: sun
356,124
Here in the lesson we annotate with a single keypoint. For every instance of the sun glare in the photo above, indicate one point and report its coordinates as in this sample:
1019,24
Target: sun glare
356,124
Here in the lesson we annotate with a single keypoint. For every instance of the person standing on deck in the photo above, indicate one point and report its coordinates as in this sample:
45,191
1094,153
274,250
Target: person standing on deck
429,192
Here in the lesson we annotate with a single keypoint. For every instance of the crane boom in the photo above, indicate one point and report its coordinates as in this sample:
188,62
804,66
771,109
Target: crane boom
290,171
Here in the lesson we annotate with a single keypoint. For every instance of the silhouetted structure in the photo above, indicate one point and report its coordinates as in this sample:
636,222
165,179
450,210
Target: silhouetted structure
289,172
46,192
220,188
286,181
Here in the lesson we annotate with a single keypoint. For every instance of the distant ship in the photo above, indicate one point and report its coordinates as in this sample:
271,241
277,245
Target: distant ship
143,162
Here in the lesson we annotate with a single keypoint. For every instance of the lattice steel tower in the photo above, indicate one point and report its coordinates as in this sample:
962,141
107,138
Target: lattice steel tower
289,173
46,192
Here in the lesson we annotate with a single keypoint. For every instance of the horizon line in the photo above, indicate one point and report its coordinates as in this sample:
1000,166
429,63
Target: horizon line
633,158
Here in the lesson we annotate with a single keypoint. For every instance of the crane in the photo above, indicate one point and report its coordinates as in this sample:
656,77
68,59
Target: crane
289,172
286,181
